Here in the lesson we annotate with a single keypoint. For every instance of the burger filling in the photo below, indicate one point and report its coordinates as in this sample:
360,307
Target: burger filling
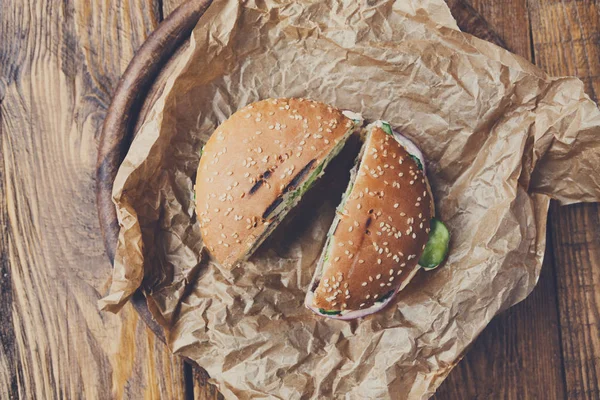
291,195
435,251
327,248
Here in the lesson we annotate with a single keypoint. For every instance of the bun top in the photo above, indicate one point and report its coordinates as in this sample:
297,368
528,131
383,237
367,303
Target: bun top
262,152
382,229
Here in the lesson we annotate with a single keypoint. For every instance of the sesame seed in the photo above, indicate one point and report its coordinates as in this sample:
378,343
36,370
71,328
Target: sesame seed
336,259
361,261
378,276
364,284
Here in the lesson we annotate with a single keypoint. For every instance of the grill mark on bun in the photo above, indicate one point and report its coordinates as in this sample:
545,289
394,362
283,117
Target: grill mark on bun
256,186
261,180
291,186
299,176
272,207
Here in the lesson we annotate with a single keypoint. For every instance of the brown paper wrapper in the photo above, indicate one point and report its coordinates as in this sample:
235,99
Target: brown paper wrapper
500,137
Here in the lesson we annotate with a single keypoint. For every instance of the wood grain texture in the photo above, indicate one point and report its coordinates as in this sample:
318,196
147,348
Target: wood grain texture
521,347
58,70
60,63
470,20
9,376
566,41
510,20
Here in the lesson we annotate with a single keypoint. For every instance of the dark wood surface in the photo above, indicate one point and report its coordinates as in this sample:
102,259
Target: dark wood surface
59,66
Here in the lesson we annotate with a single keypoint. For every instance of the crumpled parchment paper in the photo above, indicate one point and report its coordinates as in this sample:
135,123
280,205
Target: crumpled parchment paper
500,136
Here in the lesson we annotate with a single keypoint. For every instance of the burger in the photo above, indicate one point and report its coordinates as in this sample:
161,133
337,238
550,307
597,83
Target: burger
259,163
384,230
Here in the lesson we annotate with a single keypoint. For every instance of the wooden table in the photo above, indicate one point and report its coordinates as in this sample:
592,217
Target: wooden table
60,63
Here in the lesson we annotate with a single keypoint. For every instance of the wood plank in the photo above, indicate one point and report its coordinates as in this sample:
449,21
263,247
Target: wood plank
8,374
566,40
59,63
518,355
510,20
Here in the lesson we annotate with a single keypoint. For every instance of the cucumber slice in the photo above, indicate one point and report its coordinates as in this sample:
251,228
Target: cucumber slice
437,247
387,128
326,312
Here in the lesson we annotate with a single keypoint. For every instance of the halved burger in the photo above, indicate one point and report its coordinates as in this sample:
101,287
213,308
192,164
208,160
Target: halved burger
256,167
384,230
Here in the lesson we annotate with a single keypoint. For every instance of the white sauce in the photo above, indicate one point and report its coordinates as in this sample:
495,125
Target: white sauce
353,115
410,147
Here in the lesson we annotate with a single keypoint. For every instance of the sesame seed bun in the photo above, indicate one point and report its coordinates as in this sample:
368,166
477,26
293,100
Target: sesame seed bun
256,166
379,233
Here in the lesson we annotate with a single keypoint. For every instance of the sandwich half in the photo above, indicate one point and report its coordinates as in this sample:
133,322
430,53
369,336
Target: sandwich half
257,165
380,232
